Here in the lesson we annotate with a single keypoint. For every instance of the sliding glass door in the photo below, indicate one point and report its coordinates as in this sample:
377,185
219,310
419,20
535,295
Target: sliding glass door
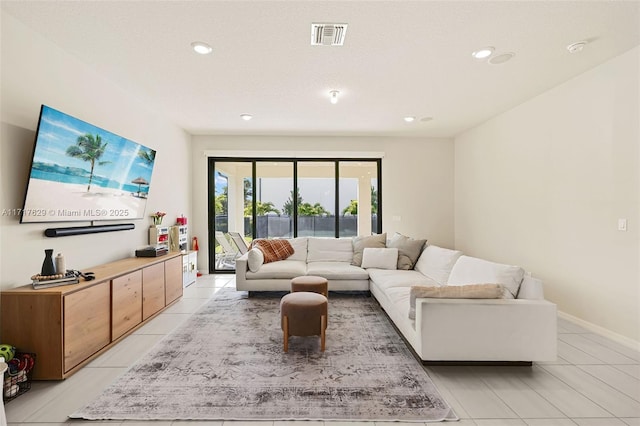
358,204
230,198
274,186
283,198
316,199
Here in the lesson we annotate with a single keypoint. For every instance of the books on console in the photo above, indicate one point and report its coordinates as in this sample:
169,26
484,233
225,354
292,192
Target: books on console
40,282
55,283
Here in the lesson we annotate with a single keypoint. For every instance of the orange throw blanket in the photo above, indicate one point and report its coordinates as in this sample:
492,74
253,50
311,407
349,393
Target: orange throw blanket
273,250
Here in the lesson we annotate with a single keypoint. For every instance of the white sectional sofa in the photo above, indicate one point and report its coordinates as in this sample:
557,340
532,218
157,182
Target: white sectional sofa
518,327
326,257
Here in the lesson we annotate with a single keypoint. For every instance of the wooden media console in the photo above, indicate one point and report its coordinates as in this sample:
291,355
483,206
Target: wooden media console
68,326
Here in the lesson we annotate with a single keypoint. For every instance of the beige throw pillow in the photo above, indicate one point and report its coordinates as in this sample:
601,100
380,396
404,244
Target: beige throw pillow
408,250
471,291
360,243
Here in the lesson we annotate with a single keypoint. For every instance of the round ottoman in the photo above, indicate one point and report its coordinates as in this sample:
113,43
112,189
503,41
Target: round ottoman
310,283
303,313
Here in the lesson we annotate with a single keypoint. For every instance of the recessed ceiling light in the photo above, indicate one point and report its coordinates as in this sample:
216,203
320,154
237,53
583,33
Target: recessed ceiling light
201,48
425,119
333,96
246,117
409,119
502,58
576,47
483,53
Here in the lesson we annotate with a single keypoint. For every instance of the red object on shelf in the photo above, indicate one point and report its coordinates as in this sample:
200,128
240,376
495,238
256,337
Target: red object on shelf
194,245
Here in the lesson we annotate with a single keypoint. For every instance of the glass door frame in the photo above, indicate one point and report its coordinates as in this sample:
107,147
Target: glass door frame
211,162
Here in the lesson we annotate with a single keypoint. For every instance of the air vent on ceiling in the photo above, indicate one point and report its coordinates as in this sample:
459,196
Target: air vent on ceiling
328,34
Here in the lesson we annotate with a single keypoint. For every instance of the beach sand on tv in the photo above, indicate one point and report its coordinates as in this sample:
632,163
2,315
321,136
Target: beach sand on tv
51,201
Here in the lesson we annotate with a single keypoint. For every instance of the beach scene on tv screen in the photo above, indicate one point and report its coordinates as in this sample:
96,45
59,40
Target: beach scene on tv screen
82,172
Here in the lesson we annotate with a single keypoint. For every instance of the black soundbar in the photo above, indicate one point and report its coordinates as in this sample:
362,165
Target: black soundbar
79,230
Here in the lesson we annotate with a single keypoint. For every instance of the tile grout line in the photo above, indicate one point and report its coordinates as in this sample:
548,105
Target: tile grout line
534,390
578,390
635,398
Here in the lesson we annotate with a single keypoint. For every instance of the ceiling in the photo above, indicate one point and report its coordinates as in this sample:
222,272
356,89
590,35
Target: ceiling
400,58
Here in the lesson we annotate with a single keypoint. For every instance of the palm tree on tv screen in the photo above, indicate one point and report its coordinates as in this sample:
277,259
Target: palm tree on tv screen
147,156
89,148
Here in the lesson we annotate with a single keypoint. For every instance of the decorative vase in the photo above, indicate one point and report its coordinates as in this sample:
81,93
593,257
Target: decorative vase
157,221
48,268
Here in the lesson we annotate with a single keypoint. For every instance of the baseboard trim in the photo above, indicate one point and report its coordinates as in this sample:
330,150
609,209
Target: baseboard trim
479,363
618,338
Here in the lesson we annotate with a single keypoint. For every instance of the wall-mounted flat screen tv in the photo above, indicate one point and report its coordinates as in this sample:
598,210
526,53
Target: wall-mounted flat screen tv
80,172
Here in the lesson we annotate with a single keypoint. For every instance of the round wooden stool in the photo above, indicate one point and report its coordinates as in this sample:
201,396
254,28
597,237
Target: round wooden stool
310,283
303,314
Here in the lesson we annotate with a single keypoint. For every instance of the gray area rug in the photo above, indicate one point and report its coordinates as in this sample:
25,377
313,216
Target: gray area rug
226,363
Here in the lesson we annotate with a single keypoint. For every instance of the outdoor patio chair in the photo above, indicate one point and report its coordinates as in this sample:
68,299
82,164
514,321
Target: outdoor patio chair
228,255
240,242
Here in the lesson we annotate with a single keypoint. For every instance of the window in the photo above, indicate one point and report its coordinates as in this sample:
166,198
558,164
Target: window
274,186
285,198
316,207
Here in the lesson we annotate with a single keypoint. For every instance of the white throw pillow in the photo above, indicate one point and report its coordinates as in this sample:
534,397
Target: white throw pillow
471,270
362,242
380,258
255,259
436,263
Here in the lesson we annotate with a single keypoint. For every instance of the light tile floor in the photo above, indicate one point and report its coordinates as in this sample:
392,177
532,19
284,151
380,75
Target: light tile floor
594,381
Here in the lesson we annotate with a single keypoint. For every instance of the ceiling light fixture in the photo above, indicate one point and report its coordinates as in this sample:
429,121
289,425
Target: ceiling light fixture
576,47
483,53
333,96
201,48
246,117
409,119
501,59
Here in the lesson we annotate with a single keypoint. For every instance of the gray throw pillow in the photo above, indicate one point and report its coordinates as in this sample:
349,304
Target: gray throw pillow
360,243
408,250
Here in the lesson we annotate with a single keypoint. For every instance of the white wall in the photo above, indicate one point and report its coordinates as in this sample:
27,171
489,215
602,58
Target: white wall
417,179
34,72
544,184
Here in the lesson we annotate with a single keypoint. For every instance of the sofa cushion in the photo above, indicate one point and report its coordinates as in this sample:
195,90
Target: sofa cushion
471,270
436,263
399,298
531,288
329,250
385,279
299,248
282,269
472,291
255,259
337,271
409,250
360,243
380,258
